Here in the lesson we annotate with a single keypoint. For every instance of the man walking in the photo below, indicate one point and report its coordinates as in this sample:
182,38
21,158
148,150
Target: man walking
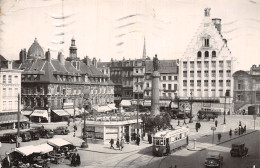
219,137
197,126
230,133
216,123
111,143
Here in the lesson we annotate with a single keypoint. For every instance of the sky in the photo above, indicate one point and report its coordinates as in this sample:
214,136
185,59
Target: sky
116,29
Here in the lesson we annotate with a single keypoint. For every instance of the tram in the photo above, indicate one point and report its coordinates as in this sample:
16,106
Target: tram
177,138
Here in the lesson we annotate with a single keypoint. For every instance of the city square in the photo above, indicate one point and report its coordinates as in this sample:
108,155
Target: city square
129,84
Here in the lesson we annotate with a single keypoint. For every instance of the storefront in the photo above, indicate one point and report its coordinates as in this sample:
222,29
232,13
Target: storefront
39,116
9,121
102,131
59,115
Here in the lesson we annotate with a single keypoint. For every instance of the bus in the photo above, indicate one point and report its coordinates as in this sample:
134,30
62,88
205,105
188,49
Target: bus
177,138
209,113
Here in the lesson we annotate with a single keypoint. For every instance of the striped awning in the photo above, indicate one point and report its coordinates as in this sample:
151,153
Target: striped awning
71,112
12,118
40,113
61,112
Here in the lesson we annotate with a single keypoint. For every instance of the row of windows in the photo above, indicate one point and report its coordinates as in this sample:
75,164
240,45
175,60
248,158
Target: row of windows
10,79
9,92
206,54
10,105
206,64
169,87
206,83
169,78
206,73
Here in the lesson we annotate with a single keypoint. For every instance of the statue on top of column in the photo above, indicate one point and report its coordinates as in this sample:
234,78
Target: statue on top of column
155,63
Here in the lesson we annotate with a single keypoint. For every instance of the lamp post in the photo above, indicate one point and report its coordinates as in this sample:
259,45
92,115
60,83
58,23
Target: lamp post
191,107
138,102
176,98
87,106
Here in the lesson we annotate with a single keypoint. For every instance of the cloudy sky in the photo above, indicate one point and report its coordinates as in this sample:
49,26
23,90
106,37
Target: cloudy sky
108,29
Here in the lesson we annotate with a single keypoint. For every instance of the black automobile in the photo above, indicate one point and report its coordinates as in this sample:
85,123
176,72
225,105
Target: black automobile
35,134
45,133
8,138
26,136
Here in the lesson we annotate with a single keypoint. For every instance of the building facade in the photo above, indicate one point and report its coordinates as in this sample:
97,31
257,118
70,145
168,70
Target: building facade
205,71
10,87
58,85
246,88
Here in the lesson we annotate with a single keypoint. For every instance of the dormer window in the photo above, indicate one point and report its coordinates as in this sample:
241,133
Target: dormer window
206,42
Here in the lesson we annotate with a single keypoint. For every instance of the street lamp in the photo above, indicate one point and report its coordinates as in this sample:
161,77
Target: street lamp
87,106
191,107
138,83
226,95
177,99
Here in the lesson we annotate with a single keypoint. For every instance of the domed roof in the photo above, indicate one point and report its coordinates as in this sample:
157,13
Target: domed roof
35,51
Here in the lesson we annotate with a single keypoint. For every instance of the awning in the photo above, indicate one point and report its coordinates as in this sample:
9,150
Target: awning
147,103
11,118
26,112
61,112
26,150
40,113
164,103
58,142
43,148
71,112
112,106
101,108
74,140
125,103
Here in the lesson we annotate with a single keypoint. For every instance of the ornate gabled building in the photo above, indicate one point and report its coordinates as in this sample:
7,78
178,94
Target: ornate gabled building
58,84
205,70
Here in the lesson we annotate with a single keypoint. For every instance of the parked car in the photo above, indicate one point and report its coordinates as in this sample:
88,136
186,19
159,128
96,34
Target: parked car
35,134
8,138
62,130
26,136
238,149
214,159
45,133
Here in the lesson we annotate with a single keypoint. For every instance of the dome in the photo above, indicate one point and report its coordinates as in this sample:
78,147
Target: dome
35,51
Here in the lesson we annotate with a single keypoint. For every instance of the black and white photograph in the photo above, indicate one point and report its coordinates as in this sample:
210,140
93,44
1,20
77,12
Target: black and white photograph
130,83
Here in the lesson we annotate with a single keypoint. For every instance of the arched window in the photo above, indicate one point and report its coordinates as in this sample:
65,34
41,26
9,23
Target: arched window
206,54
213,53
199,54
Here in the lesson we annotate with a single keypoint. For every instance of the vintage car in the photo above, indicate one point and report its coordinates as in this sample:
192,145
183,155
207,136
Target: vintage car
214,159
45,133
26,136
238,149
8,138
62,130
35,134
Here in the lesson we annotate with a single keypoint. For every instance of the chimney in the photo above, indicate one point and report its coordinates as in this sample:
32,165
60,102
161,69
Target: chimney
48,55
217,23
61,58
87,61
207,12
94,62
10,65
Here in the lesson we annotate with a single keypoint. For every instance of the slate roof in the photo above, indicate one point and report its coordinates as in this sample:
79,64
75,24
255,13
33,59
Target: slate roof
103,64
165,66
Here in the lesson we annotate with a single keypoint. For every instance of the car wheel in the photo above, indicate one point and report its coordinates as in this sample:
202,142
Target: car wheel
62,133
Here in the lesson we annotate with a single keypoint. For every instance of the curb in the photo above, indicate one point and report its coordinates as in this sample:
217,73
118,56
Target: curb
201,149
122,152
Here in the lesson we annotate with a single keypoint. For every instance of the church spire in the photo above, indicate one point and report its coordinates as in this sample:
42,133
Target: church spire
144,51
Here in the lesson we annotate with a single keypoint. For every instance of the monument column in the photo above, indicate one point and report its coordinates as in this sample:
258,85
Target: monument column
155,110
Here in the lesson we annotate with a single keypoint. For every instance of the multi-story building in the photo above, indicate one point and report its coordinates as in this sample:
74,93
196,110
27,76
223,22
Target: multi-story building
104,67
59,84
205,70
246,88
168,82
10,87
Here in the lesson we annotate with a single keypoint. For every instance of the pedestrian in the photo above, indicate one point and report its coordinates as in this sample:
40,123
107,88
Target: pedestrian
117,144
122,144
73,159
78,162
68,122
42,127
149,138
230,132
184,122
196,126
240,124
199,125
245,128
127,138
168,148
216,123
239,130
111,143
178,122
219,137
138,140
75,128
